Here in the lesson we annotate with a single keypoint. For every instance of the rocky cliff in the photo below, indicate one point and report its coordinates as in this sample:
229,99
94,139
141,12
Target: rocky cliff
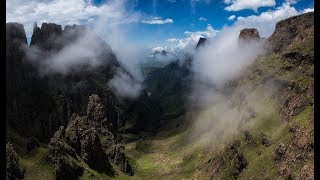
291,31
278,145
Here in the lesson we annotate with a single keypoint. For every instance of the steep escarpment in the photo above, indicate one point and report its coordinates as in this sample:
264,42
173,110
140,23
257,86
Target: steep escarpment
40,102
277,141
291,31
68,124
40,96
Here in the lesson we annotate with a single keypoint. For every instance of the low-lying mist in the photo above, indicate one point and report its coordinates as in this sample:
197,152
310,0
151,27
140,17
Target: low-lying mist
218,110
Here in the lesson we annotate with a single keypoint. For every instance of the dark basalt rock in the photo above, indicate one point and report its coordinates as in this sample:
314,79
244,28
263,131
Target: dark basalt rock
13,169
202,41
46,36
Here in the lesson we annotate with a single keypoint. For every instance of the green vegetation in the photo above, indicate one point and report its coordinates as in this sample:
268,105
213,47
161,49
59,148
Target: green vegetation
164,157
36,165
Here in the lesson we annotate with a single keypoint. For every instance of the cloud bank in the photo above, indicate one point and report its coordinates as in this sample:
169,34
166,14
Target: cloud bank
55,11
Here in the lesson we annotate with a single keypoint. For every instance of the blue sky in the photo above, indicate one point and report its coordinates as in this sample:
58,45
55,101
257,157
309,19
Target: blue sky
152,22
185,15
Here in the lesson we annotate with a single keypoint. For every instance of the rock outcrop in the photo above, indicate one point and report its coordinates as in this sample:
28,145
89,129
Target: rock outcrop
46,36
290,31
90,139
63,158
249,34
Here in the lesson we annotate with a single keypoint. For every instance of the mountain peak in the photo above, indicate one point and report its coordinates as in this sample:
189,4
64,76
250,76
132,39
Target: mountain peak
201,42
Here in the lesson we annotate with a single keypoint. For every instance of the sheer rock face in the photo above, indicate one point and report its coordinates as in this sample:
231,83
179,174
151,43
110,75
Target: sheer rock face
16,40
290,31
44,103
46,36
15,35
13,169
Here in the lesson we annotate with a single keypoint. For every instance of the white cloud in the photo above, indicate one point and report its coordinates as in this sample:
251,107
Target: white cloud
193,37
265,22
173,40
232,17
157,20
308,10
66,12
202,19
209,33
159,49
237,5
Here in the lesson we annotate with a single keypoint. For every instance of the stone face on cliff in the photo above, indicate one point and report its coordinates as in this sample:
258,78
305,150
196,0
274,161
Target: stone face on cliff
289,31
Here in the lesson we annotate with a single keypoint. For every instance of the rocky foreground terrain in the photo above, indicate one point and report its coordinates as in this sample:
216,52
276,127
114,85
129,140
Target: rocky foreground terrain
72,126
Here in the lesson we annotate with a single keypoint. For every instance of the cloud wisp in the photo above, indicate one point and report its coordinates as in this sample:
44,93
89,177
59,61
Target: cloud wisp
157,20
202,19
231,18
237,5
